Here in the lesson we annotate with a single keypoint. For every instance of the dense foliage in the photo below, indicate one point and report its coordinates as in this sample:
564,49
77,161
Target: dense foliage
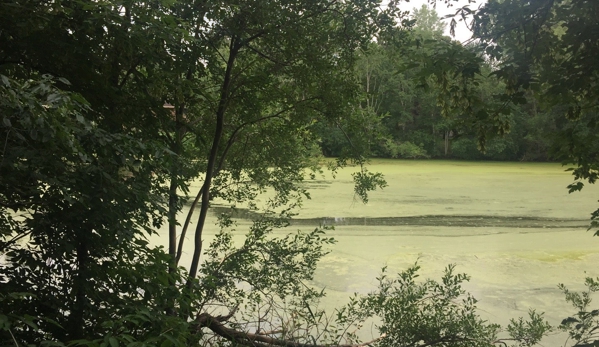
110,109
410,105
145,98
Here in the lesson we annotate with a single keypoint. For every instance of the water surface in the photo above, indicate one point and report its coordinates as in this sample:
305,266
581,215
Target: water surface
512,226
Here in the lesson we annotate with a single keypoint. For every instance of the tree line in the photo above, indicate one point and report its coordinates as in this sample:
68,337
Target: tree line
409,117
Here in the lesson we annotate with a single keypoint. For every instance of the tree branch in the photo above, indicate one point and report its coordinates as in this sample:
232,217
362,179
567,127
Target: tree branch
128,73
306,16
219,167
267,57
215,324
233,136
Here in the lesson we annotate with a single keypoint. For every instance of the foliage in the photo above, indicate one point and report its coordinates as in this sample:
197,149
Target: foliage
528,332
547,50
425,89
431,312
426,312
583,327
79,200
405,150
367,181
148,96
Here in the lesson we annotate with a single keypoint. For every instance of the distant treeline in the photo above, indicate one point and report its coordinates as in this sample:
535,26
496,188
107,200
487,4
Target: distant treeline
407,121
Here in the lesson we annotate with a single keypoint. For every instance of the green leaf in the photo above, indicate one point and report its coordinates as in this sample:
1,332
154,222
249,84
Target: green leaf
569,320
64,80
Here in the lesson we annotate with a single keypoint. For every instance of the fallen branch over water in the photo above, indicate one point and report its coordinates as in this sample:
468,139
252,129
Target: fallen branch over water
216,325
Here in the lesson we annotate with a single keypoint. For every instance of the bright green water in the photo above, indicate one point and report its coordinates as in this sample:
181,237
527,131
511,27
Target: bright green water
512,226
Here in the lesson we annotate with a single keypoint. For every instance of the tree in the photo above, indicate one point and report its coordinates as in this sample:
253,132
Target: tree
390,100
75,200
401,79
106,161
93,162
428,24
547,49
545,53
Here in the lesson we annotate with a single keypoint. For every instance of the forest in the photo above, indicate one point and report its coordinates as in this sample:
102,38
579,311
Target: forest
110,110
408,115
411,123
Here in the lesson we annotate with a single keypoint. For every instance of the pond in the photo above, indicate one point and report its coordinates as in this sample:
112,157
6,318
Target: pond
512,226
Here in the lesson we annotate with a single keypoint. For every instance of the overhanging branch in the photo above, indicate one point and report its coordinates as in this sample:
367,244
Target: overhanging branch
215,324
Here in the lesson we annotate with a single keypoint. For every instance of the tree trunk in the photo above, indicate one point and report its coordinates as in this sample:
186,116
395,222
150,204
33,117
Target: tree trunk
173,199
76,318
446,142
218,134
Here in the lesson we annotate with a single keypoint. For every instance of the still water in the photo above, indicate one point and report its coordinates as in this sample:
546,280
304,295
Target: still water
512,226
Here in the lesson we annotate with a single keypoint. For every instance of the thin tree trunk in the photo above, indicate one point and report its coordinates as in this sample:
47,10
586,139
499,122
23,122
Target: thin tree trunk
434,137
446,142
76,319
186,225
218,134
172,216
173,199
